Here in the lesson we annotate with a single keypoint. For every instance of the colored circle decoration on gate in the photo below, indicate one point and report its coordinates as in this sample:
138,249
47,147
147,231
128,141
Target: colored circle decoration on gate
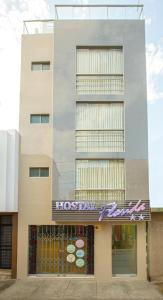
70,248
80,262
80,253
79,243
70,258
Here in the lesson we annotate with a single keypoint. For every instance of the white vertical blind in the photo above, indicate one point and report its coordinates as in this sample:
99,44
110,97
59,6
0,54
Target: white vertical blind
100,180
99,116
100,61
100,174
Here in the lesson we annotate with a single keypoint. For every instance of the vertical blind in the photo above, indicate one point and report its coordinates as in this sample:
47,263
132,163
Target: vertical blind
102,177
100,61
100,174
99,116
99,71
100,127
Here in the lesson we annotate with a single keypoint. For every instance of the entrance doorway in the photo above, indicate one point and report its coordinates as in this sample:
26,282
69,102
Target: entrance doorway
124,250
61,249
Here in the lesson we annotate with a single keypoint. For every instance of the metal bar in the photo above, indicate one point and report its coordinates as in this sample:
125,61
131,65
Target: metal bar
25,26
99,5
99,74
140,15
55,12
40,20
105,130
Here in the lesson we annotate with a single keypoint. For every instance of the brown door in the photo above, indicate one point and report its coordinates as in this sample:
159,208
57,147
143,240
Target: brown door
5,242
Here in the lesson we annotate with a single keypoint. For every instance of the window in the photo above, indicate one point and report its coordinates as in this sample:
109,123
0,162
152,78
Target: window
100,180
40,66
39,172
99,71
124,250
37,119
100,127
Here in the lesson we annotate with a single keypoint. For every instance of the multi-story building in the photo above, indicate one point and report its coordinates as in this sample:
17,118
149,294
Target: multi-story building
84,199
9,163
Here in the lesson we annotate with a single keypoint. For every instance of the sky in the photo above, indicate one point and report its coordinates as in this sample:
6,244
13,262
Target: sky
12,14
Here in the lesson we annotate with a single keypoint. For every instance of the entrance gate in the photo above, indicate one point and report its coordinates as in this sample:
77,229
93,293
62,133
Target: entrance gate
61,249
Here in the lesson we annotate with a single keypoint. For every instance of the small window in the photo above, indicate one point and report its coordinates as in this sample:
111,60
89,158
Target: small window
37,119
40,66
39,172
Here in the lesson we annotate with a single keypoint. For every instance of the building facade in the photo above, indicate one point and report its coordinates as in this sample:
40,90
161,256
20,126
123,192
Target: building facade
9,162
84,199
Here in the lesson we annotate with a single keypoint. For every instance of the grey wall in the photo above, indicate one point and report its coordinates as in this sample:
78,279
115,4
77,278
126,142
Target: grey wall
129,34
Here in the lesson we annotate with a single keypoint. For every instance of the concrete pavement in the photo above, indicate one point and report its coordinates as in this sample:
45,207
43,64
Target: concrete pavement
82,289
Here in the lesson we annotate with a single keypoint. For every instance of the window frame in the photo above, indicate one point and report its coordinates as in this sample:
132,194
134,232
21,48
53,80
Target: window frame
100,47
39,169
101,159
77,130
40,116
41,64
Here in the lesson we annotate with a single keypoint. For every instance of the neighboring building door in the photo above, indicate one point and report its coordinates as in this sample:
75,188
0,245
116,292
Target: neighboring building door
5,242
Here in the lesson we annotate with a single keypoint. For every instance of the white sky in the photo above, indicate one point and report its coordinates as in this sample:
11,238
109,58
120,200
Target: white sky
12,14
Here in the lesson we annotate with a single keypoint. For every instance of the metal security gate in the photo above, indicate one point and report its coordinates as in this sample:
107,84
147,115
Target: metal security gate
5,242
61,249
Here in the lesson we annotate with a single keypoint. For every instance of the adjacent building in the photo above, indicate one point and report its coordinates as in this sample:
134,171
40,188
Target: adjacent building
9,163
155,245
83,197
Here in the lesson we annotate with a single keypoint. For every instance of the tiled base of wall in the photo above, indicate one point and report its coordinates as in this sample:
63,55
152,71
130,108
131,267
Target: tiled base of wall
5,274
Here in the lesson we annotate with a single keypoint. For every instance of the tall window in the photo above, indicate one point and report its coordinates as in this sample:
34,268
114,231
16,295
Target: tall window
100,70
100,180
100,127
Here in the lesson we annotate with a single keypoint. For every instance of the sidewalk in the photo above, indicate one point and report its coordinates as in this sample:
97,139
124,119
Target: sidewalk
72,289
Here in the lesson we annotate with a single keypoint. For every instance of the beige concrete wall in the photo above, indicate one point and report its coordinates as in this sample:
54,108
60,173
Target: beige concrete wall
155,247
35,194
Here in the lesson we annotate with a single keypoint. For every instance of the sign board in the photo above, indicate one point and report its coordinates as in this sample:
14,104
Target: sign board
135,210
